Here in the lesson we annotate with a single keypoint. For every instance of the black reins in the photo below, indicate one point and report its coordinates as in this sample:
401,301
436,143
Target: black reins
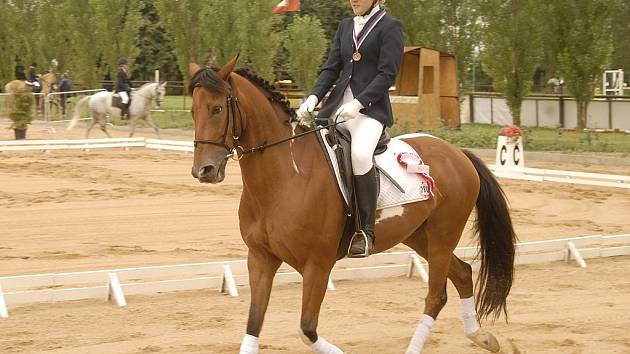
237,152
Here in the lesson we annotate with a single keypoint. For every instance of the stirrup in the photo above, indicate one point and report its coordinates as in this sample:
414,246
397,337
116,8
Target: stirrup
366,249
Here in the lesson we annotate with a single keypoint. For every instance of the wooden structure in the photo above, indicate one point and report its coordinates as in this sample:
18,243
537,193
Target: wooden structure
426,91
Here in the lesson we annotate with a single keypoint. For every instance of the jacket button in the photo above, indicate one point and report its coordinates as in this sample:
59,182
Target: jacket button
349,76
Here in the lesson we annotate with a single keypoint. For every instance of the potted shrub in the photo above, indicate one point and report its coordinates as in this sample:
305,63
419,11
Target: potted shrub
21,112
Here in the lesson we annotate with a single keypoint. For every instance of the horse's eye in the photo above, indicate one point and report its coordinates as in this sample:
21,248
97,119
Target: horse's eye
217,109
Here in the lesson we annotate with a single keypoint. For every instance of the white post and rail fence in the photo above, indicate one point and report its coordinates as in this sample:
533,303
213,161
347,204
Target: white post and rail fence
227,276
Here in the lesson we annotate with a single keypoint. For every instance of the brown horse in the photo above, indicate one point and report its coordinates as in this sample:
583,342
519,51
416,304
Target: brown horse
46,81
291,211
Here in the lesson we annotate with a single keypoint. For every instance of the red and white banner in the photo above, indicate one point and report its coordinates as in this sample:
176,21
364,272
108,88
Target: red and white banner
287,6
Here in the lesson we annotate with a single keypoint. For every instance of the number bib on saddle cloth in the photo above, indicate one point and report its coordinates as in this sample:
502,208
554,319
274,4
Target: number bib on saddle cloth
399,162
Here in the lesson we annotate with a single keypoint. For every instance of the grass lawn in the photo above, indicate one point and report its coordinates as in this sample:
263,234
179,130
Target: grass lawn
178,116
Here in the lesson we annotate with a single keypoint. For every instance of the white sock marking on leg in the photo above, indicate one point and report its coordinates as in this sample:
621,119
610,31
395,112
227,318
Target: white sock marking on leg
469,315
421,335
249,345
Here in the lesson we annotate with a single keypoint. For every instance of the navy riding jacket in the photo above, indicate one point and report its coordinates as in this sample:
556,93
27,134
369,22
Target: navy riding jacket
369,78
122,81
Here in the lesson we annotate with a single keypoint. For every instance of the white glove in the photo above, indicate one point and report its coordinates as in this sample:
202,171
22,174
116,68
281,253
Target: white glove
307,107
349,110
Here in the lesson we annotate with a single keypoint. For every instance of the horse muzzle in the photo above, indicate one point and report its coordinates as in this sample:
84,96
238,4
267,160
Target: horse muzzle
209,173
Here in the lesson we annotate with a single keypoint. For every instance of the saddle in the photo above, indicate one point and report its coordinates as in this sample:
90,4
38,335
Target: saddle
117,101
339,141
36,86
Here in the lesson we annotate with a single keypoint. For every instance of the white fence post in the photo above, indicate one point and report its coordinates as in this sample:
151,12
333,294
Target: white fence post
115,291
227,281
572,250
330,285
416,263
4,313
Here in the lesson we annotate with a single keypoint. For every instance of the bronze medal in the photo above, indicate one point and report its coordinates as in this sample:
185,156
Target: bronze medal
356,56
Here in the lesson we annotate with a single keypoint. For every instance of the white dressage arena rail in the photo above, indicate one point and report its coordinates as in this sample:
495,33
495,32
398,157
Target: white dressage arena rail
87,144
225,276
572,177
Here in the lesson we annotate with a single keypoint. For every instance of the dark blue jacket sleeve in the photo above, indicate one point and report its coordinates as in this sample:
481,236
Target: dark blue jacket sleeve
390,58
330,70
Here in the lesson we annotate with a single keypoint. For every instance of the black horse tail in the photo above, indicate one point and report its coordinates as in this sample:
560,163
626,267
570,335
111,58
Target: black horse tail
496,239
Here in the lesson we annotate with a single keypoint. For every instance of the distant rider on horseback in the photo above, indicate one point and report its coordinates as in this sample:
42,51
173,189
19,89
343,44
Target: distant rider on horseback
33,78
123,87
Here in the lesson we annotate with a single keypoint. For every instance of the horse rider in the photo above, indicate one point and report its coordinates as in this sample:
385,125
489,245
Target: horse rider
364,60
33,78
123,87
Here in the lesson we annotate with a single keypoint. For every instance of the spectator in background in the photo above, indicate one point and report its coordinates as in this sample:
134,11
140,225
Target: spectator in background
65,85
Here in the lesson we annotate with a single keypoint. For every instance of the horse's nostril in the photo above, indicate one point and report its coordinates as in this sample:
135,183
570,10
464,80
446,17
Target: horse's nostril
206,170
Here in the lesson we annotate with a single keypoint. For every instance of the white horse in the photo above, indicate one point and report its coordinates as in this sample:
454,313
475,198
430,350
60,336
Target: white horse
140,108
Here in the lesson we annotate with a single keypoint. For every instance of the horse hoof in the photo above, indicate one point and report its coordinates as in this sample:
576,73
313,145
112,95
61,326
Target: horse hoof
485,340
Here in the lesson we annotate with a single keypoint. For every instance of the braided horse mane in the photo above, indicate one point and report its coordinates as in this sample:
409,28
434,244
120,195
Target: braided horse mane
274,95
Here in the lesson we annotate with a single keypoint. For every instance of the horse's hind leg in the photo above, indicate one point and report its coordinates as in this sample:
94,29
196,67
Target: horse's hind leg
460,274
262,268
102,120
91,125
313,290
132,126
439,236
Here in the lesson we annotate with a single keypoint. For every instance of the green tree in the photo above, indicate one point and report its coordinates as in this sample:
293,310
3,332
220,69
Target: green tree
329,13
82,48
306,44
7,48
512,47
447,25
621,32
155,48
189,22
258,43
117,25
583,45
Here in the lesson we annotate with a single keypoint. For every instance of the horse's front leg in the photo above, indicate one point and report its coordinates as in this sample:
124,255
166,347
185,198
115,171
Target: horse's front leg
314,288
262,267
150,121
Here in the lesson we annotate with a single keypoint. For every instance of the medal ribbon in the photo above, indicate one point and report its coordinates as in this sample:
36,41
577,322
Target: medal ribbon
369,26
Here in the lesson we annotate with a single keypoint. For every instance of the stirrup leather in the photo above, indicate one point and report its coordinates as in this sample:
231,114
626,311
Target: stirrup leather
366,249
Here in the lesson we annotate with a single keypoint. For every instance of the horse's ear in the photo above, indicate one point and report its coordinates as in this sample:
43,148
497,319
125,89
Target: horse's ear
193,68
227,69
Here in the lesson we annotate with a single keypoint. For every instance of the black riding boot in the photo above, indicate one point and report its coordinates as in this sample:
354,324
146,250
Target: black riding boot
362,243
124,112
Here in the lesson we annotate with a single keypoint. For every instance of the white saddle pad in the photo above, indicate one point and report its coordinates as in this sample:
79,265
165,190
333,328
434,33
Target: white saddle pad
415,188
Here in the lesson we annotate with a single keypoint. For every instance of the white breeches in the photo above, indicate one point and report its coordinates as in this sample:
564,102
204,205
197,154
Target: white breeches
365,133
124,97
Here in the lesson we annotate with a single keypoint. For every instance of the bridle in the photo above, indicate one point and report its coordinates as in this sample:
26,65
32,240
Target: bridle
158,100
237,151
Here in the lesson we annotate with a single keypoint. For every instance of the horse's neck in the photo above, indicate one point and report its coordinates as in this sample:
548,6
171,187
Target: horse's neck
276,165
143,92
